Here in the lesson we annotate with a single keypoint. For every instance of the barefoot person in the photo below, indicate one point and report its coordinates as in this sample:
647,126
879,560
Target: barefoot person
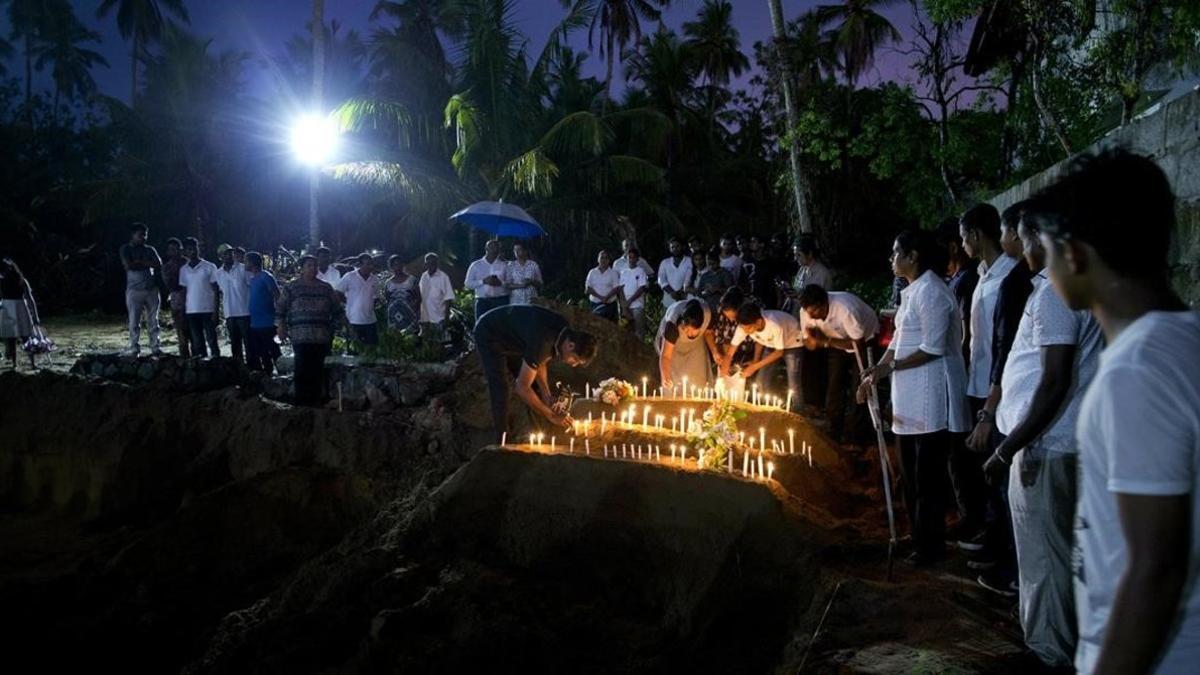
685,342
523,339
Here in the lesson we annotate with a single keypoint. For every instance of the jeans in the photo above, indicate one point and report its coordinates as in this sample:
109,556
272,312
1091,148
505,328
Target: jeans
239,335
203,330
923,472
309,377
261,350
484,305
499,369
966,476
791,359
139,302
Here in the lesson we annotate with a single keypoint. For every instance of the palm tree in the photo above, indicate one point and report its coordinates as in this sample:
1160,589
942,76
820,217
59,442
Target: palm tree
29,20
713,42
619,25
70,63
810,53
858,33
142,22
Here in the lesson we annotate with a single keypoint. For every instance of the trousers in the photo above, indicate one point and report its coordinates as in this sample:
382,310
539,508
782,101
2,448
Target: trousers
239,336
309,376
140,302
923,472
203,329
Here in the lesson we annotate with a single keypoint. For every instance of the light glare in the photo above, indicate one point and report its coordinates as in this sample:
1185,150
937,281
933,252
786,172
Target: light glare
314,139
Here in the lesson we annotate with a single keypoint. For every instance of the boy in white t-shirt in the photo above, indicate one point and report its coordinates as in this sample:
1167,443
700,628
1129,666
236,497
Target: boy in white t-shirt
1106,227
359,289
768,329
633,283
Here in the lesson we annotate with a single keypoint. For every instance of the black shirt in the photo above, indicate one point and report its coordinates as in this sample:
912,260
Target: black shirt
1010,307
527,331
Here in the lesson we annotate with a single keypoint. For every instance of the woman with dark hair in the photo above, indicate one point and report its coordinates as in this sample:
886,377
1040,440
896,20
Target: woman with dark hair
685,344
403,298
18,312
929,387
307,311
524,277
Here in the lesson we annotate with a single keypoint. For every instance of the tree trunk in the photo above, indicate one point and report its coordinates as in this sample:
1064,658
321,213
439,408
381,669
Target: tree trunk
1048,117
1007,140
803,218
318,94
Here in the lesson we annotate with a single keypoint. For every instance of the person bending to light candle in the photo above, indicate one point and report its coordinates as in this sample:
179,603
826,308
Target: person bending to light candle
768,329
531,336
841,324
685,342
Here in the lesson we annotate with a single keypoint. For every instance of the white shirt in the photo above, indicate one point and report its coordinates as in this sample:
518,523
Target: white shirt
983,307
1047,321
360,297
631,280
601,282
198,281
622,263
816,274
482,269
330,276
932,396
673,275
435,291
1139,434
733,263
782,331
849,318
235,289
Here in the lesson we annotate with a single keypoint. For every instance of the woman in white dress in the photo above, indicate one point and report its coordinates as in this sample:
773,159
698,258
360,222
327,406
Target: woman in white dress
524,277
686,344
18,311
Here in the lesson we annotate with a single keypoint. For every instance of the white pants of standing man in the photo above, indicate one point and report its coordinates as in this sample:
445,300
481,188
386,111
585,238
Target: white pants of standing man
139,302
1041,493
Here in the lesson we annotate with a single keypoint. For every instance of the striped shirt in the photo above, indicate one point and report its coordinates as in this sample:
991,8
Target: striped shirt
308,311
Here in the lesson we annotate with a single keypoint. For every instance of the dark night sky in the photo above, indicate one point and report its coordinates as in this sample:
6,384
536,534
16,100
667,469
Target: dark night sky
261,26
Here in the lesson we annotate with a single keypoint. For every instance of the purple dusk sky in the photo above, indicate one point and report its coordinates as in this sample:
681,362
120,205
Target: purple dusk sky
261,26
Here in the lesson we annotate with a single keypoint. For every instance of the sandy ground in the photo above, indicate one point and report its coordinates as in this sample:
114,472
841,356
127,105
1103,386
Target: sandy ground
77,334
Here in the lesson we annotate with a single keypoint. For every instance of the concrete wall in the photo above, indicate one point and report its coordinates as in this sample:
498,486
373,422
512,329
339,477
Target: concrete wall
1171,136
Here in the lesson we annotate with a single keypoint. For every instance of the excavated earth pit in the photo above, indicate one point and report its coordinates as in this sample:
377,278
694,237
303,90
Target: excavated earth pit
219,531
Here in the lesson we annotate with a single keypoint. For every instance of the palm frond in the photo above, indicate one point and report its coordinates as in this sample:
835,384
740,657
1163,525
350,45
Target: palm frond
578,133
533,173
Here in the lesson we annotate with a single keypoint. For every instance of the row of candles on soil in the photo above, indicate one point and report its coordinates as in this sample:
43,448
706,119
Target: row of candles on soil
682,423
751,396
679,453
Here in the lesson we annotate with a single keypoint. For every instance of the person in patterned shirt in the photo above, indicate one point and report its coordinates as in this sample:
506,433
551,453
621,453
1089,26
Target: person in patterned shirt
305,314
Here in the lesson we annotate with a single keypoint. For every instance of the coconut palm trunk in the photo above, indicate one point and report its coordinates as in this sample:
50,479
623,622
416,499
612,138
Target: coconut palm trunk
318,92
803,219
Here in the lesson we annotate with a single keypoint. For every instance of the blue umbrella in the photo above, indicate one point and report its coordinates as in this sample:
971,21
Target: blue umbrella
500,219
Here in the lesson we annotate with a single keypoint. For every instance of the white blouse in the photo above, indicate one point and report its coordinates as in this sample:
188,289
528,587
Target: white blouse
933,396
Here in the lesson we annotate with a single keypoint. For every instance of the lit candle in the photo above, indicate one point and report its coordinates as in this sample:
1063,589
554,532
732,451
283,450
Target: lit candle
674,424
754,396
572,448
672,452
588,430
700,459
552,439
791,441
606,450
503,439
685,388
762,436
643,386
657,453
639,451
682,453
789,401
770,470
587,447
645,414
745,463
810,456
587,389
624,450
760,464
603,423
729,460
742,437
532,438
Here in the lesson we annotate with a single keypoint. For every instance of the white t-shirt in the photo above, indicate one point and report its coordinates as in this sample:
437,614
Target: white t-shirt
601,282
622,263
983,307
675,276
932,396
816,274
482,269
435,291
782,331
849,318
235,289
631,280
200,297
733,263
1138,434
360,297
1046,322
330,276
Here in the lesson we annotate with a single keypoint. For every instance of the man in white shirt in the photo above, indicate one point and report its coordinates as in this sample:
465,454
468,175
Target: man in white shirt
623,263
1107,228
602,285
843,326
634,280
359,290
675,273
1053,358
487,278
730,259
436,292
768,329
326,270
234,284
198,277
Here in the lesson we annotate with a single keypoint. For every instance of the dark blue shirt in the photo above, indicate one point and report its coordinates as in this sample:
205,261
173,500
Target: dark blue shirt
263,290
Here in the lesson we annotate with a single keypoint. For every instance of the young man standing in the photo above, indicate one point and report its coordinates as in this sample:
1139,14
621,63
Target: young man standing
176,294
730,259
675,273
234,283
1107,228
844,326
436,292
488,278
199,279
768,329
632,290
261,350
601,284
141,287
358,290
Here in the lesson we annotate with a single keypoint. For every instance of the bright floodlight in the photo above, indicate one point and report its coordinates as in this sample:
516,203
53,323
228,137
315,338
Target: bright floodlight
314,139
